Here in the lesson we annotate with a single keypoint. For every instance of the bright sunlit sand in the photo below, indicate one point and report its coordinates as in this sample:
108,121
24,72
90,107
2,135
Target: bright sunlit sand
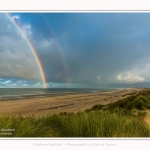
43,105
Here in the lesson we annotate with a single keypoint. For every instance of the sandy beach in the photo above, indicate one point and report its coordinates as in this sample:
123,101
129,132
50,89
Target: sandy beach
49,104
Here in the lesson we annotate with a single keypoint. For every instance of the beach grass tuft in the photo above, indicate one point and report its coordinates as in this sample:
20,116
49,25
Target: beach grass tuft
83,124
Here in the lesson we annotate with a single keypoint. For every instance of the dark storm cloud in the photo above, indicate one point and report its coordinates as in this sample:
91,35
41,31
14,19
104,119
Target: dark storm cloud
94,45
111,44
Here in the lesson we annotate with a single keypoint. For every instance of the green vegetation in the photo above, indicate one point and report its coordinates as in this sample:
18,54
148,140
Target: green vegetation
132,105
121,119
137,102
94,108
90,124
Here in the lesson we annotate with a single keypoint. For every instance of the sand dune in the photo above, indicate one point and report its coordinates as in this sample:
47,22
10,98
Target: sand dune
48,104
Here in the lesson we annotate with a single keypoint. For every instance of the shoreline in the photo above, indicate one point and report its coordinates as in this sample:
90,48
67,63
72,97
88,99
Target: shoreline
44,104
52,94
30,96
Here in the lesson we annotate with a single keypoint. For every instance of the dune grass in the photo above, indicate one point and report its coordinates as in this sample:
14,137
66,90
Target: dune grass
141,102
129,106
91,124
24,127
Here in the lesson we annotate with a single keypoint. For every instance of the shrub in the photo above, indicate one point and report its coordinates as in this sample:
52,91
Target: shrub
141,114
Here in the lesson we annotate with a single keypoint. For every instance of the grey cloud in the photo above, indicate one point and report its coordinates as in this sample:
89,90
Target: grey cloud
16,59
118,45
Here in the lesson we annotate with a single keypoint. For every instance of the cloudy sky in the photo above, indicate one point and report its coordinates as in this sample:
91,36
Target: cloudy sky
76,49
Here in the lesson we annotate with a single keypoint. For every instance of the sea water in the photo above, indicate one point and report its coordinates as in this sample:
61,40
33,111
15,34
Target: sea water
6,93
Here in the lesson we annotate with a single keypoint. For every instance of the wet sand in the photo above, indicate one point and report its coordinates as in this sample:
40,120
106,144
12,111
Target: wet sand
39,105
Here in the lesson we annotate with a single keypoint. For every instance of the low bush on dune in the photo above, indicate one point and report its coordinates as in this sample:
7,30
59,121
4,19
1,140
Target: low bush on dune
94,108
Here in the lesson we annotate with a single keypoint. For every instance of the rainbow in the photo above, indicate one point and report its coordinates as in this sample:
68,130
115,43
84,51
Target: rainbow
31,48
61,55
